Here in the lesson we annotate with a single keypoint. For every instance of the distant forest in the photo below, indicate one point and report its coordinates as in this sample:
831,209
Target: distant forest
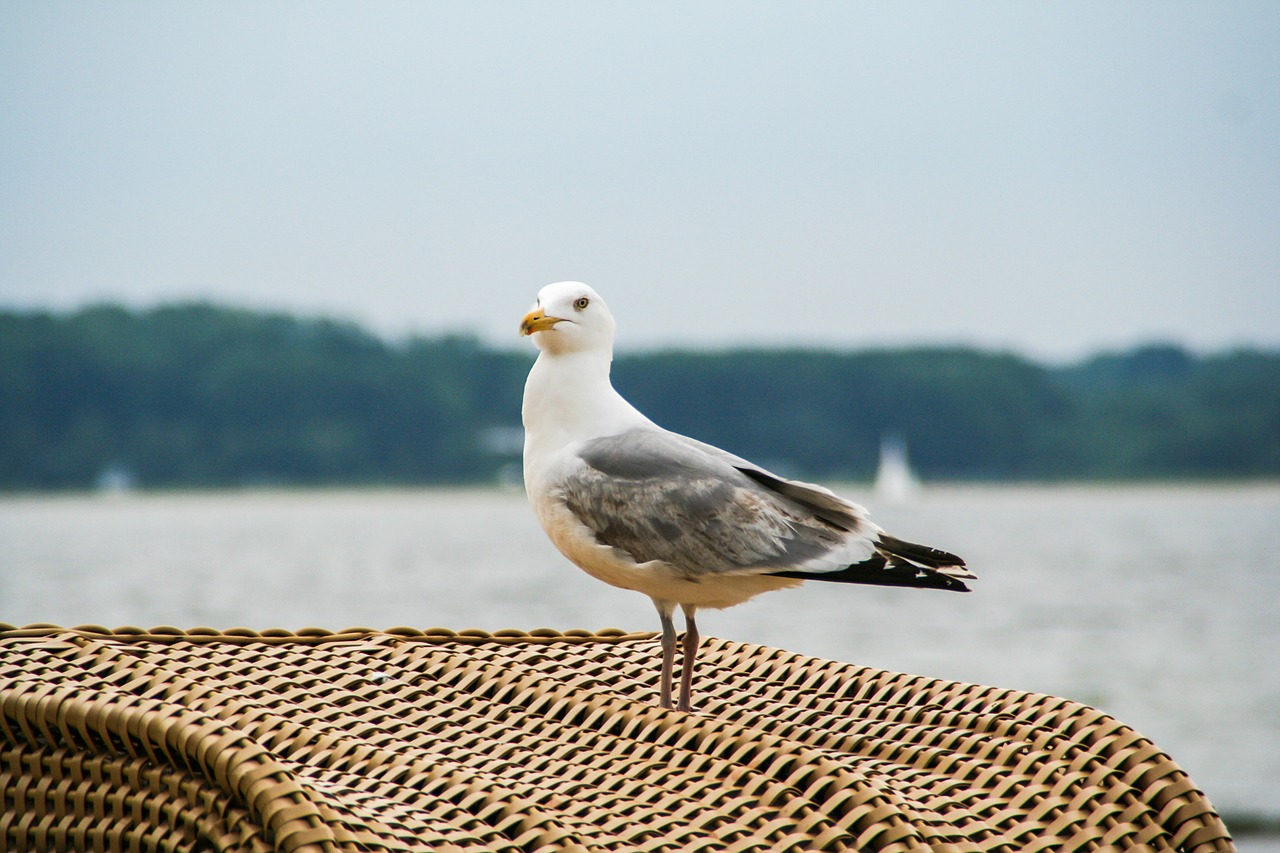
204,395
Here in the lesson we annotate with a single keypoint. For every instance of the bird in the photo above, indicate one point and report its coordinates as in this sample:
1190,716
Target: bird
690,525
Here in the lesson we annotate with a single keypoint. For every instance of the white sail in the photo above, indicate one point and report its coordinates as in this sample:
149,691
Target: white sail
894,481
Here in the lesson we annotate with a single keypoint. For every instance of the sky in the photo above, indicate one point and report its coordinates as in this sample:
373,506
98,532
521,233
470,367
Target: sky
1053,178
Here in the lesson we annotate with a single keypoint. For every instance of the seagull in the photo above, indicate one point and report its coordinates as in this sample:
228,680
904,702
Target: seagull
688,524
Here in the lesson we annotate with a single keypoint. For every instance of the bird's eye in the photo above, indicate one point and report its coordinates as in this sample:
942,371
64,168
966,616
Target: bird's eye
582,302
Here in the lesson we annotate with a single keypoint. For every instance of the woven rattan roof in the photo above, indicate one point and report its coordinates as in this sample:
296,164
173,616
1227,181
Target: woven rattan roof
404,740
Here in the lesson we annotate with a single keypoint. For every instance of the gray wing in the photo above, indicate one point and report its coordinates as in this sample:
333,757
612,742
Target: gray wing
822,502
660,496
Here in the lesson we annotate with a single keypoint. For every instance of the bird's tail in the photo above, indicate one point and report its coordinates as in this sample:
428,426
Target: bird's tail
900,563
923,557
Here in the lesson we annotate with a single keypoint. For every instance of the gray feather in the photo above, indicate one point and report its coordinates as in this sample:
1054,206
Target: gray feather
827,506
659,496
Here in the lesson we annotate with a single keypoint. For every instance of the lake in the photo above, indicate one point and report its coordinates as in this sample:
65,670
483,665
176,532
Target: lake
1157,604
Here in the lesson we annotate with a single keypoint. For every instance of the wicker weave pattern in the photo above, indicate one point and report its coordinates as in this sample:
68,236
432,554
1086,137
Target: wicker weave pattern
400,740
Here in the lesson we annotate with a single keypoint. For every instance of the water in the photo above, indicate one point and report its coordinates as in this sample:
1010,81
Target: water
1160,605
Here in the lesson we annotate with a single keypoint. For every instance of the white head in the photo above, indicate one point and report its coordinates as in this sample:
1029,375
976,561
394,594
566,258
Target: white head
569,317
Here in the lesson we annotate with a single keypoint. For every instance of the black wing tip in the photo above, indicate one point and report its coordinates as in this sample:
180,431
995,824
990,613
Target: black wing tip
880,572
934,558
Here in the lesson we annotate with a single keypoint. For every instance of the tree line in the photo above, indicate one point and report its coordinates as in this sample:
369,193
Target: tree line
207,395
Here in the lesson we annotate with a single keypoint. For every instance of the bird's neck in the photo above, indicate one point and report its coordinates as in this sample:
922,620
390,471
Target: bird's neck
568,398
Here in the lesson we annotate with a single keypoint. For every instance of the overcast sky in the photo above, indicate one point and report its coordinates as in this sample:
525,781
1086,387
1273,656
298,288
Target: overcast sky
1049,177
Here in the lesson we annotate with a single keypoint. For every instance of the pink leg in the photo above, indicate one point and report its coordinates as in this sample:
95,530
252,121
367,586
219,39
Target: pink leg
691,639
668,653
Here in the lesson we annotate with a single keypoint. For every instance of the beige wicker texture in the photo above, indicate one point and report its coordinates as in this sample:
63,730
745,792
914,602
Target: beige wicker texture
403,740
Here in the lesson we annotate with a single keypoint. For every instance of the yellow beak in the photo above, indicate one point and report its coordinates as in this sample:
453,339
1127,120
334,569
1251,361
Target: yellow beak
536,321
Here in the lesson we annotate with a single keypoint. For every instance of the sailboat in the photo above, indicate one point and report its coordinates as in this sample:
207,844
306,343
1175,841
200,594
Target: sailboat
894,481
